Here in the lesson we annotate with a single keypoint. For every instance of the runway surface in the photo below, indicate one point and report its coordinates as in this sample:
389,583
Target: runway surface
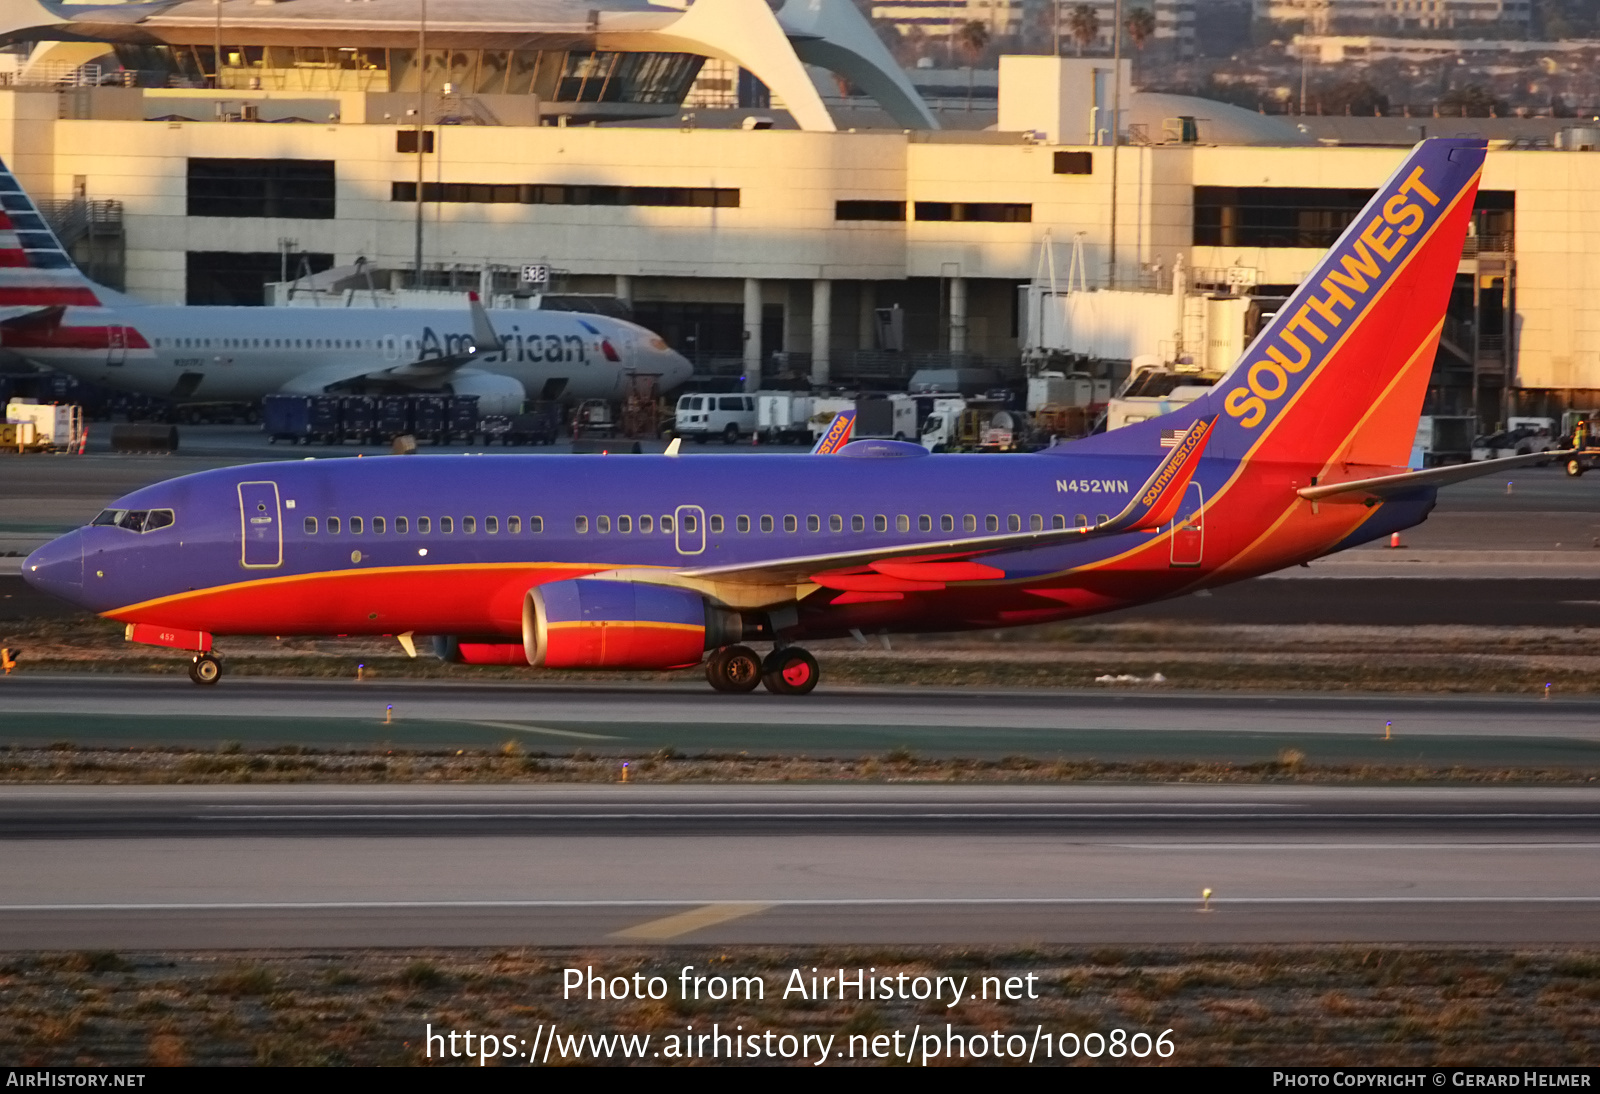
636,720
157,867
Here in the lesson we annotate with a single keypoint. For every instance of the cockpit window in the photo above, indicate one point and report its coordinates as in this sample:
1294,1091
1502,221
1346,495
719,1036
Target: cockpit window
134,520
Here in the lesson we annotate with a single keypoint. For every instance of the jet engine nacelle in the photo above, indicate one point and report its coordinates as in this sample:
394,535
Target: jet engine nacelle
589,623
496,394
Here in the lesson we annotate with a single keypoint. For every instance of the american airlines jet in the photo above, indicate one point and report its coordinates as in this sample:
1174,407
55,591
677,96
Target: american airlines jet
655,562
54,316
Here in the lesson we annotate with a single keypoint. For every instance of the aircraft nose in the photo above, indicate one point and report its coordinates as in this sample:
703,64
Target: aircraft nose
57,567
676,370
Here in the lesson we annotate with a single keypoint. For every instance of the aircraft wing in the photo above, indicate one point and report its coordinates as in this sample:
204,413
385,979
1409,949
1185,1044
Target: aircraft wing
917,567
1379,487
423,370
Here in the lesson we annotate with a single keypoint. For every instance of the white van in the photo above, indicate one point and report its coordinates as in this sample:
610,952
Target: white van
705,416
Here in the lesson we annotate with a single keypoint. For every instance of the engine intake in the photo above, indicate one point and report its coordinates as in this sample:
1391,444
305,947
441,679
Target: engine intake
588,623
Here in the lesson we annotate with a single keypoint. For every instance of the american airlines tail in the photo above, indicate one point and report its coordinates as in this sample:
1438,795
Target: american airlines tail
35,269
1337,379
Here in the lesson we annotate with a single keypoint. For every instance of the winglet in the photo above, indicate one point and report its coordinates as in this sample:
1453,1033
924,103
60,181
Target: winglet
1158,499
673,446
837,434
483,332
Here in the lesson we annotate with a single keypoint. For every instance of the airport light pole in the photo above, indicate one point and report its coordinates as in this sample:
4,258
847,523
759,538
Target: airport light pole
1116,126
216,44
422,105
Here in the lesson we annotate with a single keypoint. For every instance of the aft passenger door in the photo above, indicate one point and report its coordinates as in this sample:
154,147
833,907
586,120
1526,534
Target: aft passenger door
689,525
261,521
1189,528
116,345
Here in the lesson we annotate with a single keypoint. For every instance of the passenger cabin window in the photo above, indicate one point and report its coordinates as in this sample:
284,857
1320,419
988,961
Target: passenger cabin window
1100,518
603,525
902,523
311,526
355,526
469,525
813,524
947,523
1036,523
379,526
666,524
790,524
880,523
513,525
535,524
645,524
1081,520
991,523
858,524
401,526
424,525
742,523
447,525
1058,521
624,524
836,523
689,523
969,522
925,523
1013,523
333,526
716,524
581,525
491,525
766,524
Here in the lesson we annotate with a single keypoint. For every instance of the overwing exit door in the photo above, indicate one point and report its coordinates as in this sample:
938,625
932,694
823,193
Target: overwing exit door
1189,528
261,523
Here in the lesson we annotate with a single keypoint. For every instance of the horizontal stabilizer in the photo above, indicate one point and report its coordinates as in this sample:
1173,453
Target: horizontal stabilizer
1385,486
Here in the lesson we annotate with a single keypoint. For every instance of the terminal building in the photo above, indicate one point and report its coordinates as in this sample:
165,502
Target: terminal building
844,231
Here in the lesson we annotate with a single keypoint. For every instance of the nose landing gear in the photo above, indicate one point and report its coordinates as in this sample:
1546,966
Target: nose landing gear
205,669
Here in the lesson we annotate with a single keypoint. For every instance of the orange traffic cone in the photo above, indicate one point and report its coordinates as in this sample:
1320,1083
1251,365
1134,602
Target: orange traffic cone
1394,540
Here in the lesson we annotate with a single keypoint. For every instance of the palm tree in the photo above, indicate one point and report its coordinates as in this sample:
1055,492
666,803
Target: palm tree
1084,25
972,38
1141,27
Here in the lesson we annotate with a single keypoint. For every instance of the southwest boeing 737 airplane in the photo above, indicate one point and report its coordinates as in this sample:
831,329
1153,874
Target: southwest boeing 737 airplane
54,316
658,562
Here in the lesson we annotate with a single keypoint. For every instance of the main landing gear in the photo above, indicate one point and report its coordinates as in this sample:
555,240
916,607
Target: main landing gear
205,669
786,671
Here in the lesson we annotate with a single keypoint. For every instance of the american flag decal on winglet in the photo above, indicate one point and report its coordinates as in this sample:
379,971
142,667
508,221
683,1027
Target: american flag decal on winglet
1171,437
34,267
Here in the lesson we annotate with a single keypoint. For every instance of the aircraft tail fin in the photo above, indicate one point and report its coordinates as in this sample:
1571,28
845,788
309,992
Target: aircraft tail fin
1339,374
838,434
35,268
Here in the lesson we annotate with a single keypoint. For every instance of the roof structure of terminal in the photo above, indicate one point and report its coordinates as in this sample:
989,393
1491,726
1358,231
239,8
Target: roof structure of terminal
774,44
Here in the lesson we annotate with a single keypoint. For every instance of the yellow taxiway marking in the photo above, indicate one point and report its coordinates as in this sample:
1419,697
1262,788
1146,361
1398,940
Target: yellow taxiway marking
546,731
672,926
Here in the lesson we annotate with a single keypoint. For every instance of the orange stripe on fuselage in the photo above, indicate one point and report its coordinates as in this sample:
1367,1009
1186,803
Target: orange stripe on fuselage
445,599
